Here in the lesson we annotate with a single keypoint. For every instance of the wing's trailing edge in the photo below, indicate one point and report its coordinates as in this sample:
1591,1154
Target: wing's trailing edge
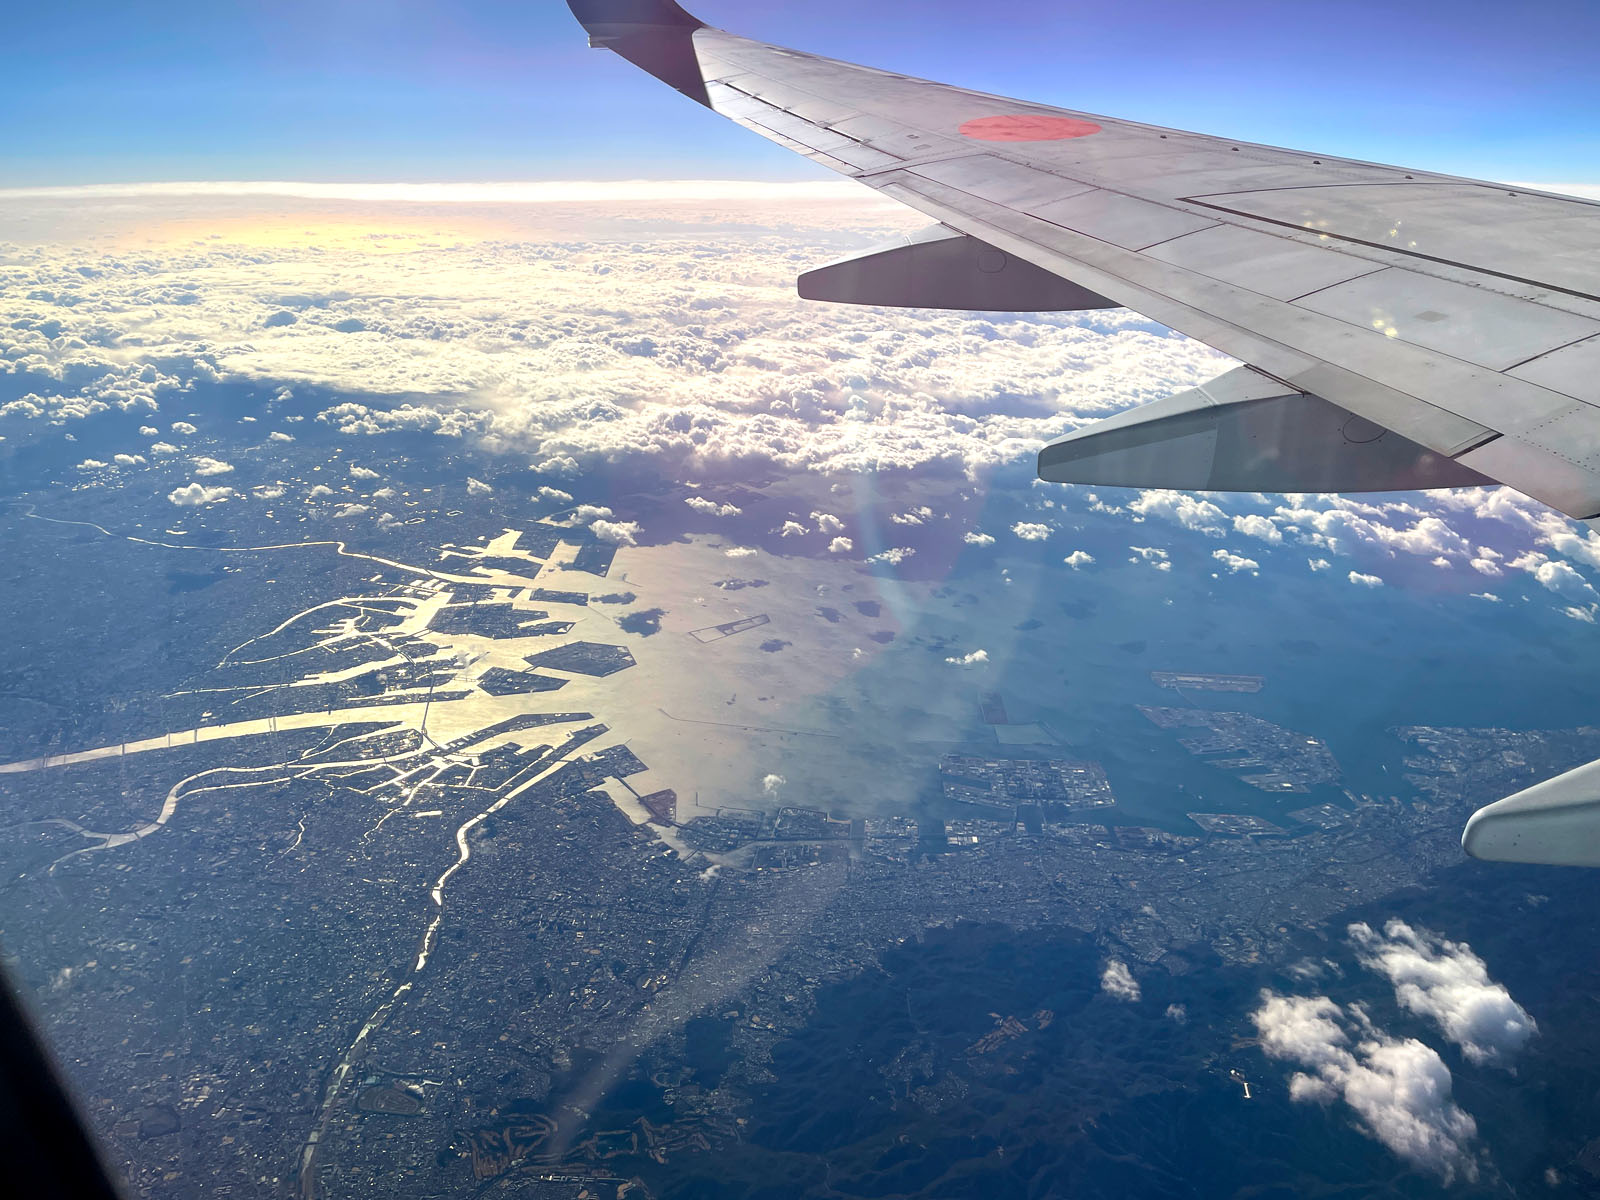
1248,432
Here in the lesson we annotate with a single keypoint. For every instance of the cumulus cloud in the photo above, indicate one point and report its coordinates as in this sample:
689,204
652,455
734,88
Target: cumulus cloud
1399,1089
708,506
1079,559
969,660
319,492
620,533
1366,581
1236,562
974,538
793,529
1319,564
477,487
1178,1014
1181,508
740,552
363,473
92,464
346,511
268,493
1154,555
586,513
277,435
669,352
184,428
197,494
149,431
827,522
771,785
204,466
165,448
129,460
552,495
1031,531
1446,982
841,545
1555,575
1117,981
894,556
1256,526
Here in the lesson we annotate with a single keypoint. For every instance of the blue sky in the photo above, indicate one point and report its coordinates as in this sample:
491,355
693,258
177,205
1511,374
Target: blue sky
363,90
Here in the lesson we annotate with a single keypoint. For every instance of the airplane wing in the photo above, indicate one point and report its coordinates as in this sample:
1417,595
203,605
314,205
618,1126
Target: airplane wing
1398,328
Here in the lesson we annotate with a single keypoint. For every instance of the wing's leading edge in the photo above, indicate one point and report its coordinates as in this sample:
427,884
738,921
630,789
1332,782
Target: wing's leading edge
1400,328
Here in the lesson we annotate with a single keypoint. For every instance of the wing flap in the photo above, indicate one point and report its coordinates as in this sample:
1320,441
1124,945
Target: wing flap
1246,431
941,268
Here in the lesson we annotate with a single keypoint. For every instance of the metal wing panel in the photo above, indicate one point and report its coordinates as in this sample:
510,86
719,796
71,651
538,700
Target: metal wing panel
1121,208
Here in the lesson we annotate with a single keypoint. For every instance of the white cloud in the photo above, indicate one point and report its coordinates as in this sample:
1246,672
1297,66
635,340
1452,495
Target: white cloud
771,785
129,460
1236,562
793,529
894,556
704,504
974,538
1588,615
1489,596
1117,981
1366,581
969,660
1181,508
1178,1014
841,545
268,493
1319,564
1079,559
1256,526
346,511
667,352
1400,1090
1556,575
184,428
916,516
149,431
278,435
477,487
165,448
827,522
586,513
1448,983
552,495
319,492
196,494
385,493
363,472
204,466
620,533
1154,555
740,552
92,464
1031,531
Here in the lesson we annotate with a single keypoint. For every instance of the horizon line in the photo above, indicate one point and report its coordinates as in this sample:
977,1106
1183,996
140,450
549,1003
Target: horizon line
576,191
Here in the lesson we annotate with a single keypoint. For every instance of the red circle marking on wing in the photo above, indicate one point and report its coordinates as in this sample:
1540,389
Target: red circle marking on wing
1026,128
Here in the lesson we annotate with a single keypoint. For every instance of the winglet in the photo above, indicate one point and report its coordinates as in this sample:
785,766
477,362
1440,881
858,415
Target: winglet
654,35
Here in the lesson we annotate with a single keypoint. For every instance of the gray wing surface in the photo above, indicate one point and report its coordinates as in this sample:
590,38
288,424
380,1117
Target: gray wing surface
1398,328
